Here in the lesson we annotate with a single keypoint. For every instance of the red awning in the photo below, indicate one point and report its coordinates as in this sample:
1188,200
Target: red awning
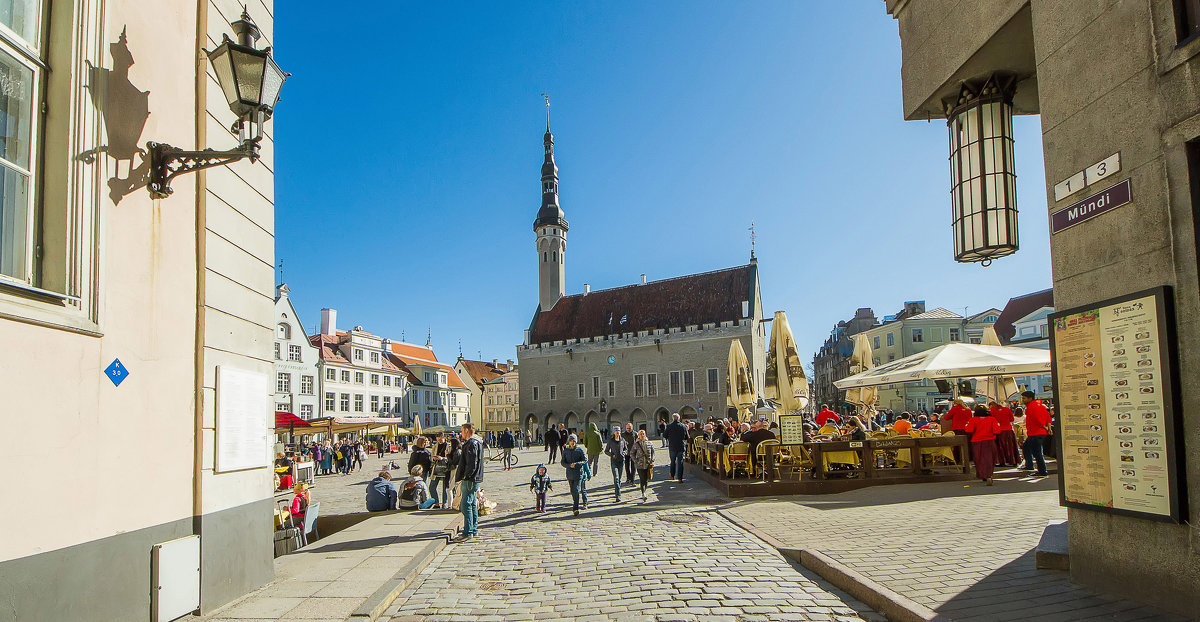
285,419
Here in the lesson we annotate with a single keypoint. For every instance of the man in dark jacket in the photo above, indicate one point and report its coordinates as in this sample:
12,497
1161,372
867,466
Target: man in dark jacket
470,476
617,451
507,442
628,436
552,442
574,459
676,436
662,432
381,493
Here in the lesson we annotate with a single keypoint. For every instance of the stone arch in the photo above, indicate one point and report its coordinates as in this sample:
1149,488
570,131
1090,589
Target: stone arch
661,415
551,419
687,412
571,420
614,419
589,418
531,424
639,420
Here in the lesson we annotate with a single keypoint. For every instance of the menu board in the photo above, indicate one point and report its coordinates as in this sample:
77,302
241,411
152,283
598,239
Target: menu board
1113,365
791,429
243,420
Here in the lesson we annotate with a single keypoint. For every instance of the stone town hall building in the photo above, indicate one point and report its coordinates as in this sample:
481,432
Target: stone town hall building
634,353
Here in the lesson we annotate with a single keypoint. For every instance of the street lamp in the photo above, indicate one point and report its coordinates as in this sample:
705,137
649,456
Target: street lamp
983,183
251,82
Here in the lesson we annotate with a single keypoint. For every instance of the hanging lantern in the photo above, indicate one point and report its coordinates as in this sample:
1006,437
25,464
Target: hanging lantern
983,180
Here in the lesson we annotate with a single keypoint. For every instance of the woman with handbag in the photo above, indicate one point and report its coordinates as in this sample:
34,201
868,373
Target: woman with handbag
642,454
440,474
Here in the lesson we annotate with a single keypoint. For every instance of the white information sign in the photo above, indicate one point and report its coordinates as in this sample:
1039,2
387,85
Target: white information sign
1103,168
243,420
1068,186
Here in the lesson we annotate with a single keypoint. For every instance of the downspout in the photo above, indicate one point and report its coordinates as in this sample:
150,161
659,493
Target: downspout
201,220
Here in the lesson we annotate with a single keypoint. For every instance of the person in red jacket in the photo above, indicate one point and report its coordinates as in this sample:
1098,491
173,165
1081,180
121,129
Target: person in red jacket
983,429
1037,428
959,415
1006,440
827,415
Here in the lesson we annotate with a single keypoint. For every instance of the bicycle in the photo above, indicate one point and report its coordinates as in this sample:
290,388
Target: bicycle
498,456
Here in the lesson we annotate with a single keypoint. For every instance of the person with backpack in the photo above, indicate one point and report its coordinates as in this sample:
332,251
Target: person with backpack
414,494
616,450
540,484
575,461
381,493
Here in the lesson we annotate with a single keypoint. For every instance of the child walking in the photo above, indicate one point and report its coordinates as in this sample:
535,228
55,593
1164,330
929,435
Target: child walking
540,483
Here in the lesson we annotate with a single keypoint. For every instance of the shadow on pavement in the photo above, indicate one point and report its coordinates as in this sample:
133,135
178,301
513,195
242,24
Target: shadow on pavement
907,493
371,543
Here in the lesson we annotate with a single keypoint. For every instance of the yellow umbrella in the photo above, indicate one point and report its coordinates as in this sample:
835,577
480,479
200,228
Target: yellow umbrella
739,382
416,429
785,381
862,359
998,388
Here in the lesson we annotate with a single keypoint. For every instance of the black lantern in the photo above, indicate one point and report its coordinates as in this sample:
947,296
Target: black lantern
983,181
251,82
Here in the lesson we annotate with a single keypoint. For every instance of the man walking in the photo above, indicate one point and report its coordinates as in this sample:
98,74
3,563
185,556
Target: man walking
676,436
594,442
551,439
662,432
629,437
507,442
1037,427
617,452
470,476
574,460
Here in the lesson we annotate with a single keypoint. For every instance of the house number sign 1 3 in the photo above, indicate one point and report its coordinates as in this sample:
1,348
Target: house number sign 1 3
1087,177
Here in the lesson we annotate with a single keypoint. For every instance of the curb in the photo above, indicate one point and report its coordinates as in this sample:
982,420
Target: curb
894,606
376,603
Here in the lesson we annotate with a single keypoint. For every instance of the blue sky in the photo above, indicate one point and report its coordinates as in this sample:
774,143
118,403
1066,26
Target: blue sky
409,147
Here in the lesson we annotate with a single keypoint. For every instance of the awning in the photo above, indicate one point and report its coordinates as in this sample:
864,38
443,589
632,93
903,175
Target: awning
954,360
286,420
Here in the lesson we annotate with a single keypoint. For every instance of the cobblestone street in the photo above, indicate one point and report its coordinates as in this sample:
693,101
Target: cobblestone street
627,561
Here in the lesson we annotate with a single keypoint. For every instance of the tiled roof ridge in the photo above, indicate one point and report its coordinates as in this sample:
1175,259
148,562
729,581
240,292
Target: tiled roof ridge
666,280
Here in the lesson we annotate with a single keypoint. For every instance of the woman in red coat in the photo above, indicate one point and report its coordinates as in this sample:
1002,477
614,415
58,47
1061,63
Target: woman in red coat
1006,440
983,430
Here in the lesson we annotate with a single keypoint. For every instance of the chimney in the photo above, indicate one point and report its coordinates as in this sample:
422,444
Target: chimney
587,289
745,308
643,279
494,361
510,364
527,337
328,321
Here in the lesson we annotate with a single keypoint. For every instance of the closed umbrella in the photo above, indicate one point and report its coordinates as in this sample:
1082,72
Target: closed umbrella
861,360
785,382
740,385
999,388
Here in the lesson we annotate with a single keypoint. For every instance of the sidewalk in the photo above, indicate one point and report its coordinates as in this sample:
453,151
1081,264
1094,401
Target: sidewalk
352,574
966,551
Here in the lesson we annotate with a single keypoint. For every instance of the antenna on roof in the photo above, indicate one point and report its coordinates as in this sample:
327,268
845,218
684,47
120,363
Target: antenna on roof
547,96
460,348
428,337
753,240
280,266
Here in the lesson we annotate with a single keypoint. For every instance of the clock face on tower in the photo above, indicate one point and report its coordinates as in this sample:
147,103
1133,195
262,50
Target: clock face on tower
612,359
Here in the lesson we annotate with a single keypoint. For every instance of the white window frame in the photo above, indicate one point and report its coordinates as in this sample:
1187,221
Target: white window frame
374,357
295,353
330,401
344,402
283,382
358,402
331,374
306,411
358,354
306,385
358,377
918,335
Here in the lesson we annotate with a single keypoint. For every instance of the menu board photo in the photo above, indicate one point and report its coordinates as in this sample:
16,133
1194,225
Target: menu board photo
243,420
791,429
1114,376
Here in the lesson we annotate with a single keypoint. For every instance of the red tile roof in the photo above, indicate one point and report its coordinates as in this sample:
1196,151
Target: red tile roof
1018,308
483,371
709,297
328,345
409,354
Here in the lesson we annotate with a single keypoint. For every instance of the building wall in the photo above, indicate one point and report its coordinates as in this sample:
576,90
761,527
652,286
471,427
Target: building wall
147,277
502,403
397,390
475,397
296,401
1111,77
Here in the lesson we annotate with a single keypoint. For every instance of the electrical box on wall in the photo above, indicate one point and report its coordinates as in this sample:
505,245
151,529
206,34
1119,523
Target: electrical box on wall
175,579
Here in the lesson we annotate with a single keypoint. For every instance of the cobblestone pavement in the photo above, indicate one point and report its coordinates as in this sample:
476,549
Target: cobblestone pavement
963,550
615,562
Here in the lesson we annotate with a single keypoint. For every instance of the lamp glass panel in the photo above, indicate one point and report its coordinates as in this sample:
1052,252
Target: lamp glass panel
273,78
248,71
223,66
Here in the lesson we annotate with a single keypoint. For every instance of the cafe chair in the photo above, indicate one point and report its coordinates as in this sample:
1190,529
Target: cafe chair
760,457
739,458
801,460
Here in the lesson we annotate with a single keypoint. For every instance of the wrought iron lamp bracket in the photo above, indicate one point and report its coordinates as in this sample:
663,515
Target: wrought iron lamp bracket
168,162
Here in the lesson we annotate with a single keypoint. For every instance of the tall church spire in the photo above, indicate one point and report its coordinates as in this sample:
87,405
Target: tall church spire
551,228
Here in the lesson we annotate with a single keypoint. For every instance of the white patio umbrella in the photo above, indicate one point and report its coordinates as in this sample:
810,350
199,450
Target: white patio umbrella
861,361
740,386
785,382
954,360
999,388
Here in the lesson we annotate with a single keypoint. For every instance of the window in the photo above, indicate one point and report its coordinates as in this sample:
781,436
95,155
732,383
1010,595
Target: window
374,357
416,397
441,380
674,388
375,379
397,382
891,339
490,403
283,383
581,390
387,381
387,403
976,339
553,392
282,407
346,376
330,401
1042,331
284,331
918,335
21,87
357,354
651,385
428,398
713,381
277,356
689,381
595,386
358,377
991,319
294,353
536,393
344,400
306,385
306,411
612,388
374,403
891,357
358,402
331,374
875,342
955,334
639,385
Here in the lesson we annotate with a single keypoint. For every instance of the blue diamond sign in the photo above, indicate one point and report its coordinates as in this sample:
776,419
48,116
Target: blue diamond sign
116,372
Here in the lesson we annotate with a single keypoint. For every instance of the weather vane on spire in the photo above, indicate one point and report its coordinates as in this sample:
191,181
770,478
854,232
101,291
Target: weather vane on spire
547,96
753,240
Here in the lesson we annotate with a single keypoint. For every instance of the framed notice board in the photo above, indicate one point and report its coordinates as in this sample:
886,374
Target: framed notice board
791,429
1115,380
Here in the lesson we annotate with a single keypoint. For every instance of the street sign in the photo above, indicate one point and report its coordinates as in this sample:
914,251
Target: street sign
1112,197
